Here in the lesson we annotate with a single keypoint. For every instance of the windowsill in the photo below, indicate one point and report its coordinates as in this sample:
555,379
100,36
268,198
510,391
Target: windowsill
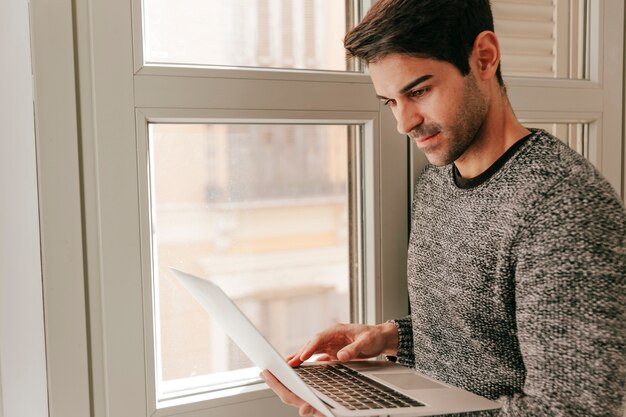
207,400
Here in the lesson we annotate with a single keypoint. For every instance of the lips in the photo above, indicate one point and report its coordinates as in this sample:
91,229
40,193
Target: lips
424,139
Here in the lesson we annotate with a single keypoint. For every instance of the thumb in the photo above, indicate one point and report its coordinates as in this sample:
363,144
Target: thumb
349,352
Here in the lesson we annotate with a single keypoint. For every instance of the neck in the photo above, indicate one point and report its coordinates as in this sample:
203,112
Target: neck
499,132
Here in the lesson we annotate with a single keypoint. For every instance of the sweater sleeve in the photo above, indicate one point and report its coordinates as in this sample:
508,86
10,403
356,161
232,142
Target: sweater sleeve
406,356
570,277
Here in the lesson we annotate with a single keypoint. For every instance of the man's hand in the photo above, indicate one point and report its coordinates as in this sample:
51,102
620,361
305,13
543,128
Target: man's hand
288,397
346,342
342,342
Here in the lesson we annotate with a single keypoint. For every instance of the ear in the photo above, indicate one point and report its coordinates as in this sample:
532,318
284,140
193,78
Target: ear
485,56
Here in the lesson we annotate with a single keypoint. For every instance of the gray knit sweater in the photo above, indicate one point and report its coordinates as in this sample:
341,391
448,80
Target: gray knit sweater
517,285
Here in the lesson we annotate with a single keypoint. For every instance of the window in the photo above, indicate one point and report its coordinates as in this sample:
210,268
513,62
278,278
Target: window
123,92
557,61
304,34
175,147
262,210
543,38
268,210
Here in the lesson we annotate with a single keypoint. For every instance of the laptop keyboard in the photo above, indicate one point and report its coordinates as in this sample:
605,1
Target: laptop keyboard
352,389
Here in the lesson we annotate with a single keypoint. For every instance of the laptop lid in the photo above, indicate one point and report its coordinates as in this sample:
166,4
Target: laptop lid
247,337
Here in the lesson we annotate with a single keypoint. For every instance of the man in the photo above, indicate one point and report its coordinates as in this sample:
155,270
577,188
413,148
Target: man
517,255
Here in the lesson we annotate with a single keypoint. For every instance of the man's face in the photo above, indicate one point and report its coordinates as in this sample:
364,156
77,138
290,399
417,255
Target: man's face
441,110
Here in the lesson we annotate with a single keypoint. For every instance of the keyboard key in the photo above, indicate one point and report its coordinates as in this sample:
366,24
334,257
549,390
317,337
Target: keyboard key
353,390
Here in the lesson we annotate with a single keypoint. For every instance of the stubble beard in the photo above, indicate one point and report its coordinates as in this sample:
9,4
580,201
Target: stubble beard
460,136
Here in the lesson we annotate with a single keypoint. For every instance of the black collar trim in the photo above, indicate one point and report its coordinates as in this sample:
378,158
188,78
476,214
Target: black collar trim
466,183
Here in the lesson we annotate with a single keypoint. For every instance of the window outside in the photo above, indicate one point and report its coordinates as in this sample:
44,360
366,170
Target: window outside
263,211
539,38
299,34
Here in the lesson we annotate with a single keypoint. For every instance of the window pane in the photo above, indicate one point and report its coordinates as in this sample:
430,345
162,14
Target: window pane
262,210
304,34
543,38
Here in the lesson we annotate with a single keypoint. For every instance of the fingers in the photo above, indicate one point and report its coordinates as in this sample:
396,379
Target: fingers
283,393
307,410
309,349
305,352
356,349
326,342
349,352
294,359
341,341
288,397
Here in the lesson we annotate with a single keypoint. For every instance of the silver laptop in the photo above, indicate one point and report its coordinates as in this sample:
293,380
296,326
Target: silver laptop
379,388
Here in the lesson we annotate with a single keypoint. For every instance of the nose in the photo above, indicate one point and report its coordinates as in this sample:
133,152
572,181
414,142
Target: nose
408,117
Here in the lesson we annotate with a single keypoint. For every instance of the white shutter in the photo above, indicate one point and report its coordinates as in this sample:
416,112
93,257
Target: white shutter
526,30
543,38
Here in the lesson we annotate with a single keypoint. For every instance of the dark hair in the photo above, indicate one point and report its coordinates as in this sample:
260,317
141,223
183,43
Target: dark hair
440,29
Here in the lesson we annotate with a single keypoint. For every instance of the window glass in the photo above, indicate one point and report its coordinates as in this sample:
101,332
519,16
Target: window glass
303,34
543,38
263,211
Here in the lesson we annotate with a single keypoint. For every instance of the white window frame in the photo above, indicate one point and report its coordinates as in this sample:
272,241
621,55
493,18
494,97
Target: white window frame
370,124
107,93
83,63
596,101
23,385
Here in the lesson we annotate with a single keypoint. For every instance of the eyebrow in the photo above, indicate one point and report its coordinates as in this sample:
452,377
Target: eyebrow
410,85
415,82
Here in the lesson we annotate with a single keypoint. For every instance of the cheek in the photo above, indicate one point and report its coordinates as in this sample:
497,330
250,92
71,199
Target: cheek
437,111
445,107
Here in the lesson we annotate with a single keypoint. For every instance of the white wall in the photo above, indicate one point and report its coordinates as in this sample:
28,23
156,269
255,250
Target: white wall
23,390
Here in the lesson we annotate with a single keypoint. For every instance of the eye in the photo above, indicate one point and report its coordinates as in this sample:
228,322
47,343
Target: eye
389,102
418,92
